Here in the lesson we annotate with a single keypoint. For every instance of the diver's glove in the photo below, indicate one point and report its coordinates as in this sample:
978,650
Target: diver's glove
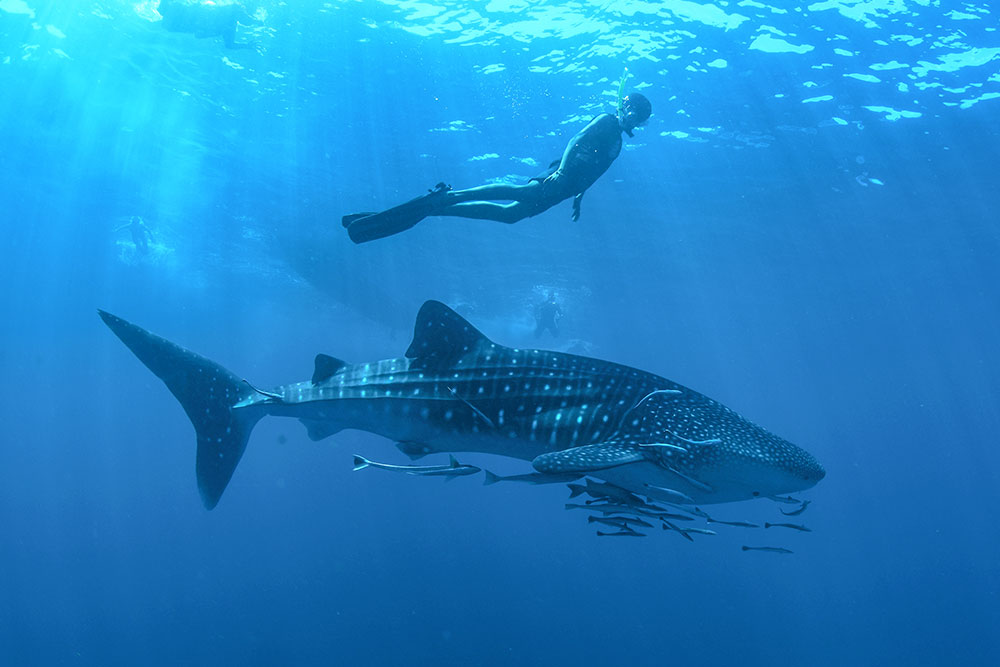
576,206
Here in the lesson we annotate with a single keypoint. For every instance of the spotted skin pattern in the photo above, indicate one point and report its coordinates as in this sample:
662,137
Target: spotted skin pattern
457,391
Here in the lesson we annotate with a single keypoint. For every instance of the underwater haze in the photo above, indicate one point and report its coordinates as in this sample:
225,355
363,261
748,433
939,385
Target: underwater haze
805,230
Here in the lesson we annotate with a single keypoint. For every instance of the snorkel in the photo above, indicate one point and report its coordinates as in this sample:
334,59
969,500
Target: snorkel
621,101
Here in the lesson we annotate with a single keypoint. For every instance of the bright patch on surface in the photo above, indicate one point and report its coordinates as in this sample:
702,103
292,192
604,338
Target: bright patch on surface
454,126
868,78
953,62
16,7
770,44
965,104
961,16
843,52
839,121
892,114
55,32
484,156
881,67
760,5
718,63
708,14
821,98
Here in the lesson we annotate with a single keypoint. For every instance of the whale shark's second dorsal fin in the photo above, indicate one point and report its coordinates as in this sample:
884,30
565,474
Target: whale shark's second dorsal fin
326,367
441,336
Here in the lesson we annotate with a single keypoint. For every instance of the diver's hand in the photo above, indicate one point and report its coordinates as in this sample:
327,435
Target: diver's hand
576,207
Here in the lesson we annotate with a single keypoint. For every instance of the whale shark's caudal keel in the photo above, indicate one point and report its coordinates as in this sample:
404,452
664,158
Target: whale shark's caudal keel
457,391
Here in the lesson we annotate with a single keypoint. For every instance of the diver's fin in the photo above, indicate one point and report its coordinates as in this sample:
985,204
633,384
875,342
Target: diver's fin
441,336
348,220
589,457
209,395
396,219
326,367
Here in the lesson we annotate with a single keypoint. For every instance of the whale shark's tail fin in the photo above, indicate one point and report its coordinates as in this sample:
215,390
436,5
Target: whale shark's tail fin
208,393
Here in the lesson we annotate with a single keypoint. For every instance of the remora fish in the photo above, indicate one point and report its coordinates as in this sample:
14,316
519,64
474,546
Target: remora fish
530,478
453,469
774,550
796,512
793,526
740,524
457,391
619,522
628,532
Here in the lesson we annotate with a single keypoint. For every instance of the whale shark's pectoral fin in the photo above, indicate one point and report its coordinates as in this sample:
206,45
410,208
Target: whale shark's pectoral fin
318,429
415,450
589,457
326,367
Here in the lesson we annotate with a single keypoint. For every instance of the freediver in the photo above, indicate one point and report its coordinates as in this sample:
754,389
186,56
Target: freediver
141,235
586,157
206,19
547,316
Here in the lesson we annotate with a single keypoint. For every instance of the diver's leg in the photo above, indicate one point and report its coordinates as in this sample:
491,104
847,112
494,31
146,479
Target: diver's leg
474,202
495,192
485,210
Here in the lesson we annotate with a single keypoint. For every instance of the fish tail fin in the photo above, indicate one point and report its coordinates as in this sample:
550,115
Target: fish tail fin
768,525
575,490
208,393
490,478
360,462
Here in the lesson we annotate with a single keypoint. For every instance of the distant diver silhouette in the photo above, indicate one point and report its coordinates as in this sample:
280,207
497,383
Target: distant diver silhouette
547,316
206,19
141,235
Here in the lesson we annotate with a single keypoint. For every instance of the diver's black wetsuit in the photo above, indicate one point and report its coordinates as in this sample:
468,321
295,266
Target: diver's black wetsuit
587,156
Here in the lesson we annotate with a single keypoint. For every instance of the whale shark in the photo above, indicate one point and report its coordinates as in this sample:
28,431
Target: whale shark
455,390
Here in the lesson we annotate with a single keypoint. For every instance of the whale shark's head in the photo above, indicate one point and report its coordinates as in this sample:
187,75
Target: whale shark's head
742,469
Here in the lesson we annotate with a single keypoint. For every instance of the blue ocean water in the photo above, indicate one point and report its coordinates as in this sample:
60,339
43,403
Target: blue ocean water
804,230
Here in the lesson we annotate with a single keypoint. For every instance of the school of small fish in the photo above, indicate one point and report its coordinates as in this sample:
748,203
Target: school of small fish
618,508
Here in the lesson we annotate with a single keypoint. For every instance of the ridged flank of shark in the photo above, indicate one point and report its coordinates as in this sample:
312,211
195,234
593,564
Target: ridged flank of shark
456,390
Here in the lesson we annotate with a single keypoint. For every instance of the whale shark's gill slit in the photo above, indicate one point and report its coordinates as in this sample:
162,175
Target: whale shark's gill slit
645,398
710,441
473,408
663,445
691,480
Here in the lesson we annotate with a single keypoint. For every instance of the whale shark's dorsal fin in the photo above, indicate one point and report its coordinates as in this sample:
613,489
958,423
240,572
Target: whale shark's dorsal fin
326,367
441,336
